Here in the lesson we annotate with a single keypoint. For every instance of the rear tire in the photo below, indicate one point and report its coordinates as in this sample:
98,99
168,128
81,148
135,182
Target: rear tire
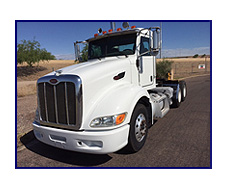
138,129
177,99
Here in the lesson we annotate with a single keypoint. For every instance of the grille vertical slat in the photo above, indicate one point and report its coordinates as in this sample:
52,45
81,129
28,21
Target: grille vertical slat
46,110
41,101
55,102
60,103
66,102
50,103
71,103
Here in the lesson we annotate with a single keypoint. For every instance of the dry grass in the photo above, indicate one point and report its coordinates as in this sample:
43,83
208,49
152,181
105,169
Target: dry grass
50,62
26,88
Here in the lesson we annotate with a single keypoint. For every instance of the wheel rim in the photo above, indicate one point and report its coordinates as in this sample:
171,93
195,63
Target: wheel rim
140,127
179,96
184,91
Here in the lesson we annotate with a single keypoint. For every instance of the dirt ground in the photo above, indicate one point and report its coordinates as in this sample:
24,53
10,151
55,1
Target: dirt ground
26,107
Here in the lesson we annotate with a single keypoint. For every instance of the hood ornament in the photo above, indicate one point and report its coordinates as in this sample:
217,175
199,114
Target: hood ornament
58,72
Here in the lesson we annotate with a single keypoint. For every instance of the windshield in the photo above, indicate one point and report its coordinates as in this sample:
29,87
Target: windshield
112,46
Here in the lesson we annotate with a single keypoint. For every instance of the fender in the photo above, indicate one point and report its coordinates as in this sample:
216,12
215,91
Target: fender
120,99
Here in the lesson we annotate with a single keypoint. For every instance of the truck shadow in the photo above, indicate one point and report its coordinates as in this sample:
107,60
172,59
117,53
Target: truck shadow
60,155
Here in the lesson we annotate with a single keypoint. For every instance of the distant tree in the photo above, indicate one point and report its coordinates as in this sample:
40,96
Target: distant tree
203,55
163,68
31,53
195,56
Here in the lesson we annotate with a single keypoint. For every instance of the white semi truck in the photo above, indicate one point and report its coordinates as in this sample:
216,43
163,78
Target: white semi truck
109,102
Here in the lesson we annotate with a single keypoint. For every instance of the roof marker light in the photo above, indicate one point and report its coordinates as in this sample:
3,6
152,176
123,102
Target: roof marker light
104,32
95,35
133,27
110,30
119,29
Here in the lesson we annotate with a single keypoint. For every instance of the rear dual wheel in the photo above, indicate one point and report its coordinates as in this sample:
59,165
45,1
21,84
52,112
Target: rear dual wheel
183,87
180,95
177,99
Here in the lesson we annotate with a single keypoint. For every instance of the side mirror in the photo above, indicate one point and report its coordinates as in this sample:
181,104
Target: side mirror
77,52
155,41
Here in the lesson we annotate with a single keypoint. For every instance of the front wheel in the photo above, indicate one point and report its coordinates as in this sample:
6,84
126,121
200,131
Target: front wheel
138,128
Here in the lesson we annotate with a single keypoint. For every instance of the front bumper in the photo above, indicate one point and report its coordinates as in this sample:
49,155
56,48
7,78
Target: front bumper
95,142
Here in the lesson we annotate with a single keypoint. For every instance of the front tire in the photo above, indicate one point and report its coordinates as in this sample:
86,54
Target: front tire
138,128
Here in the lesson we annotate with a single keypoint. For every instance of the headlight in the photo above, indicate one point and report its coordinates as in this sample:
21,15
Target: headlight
108,120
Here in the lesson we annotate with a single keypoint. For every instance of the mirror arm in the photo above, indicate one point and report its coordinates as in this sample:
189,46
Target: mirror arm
143,54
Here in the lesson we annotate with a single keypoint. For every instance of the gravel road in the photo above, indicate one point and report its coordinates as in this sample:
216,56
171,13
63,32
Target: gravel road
180,139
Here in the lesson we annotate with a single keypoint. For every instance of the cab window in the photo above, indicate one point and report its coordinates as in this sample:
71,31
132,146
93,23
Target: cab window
144,46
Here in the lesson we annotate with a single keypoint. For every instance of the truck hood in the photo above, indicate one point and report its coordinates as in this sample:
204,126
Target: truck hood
97,78
96,69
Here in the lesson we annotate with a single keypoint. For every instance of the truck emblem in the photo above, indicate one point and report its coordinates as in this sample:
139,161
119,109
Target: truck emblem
53,81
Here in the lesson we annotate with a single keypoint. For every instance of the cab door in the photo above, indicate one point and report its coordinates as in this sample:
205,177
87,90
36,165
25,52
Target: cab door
147,64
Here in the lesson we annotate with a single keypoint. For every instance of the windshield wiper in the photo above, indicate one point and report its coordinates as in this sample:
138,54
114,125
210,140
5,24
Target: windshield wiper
119,53
122,53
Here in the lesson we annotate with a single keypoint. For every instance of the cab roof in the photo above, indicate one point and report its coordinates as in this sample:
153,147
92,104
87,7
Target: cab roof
115,33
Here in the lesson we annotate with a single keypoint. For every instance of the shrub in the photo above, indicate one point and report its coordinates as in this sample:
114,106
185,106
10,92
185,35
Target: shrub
163,68
203,55
195,56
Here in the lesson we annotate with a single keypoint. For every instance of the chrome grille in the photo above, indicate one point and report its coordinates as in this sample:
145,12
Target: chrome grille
60,104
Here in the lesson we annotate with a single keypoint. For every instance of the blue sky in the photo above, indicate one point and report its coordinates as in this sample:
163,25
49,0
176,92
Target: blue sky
179,38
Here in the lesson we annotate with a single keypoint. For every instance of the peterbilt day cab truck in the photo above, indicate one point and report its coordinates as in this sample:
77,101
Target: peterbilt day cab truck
109,102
